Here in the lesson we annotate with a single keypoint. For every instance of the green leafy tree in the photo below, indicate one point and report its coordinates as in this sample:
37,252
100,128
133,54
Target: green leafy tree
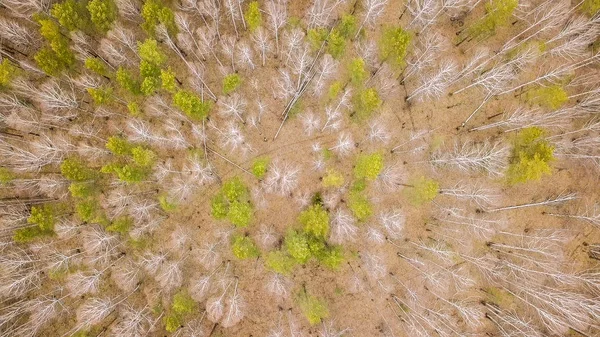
498,13
296,245
121,225
240,213
43,218
590,7
191,105
134,109
331,257
70,14
347,26
102,95
315,221
336,44
88,210
231,82
56,56
365,103
7,72
394,45
234,189
368,166
316,37
183,305
259,167
333,178
127,81
531,156
280,262
151,53
253,16
119,145
168,80
313,308
143,157
83,189
360,206
150,85
103,14
154,12
357,70
423,190
550,97
219,206
244,248
96,65
75,170
6,176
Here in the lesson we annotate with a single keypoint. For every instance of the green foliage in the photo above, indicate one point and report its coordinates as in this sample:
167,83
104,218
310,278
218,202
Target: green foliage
172,322
182,305
102,95
550,97
127,81
394,45
347,26
357,71
143,157
121,225
43,216
150,85
56,56
96,65
423,190
360,206
336,44
6,176
219,206
103,13
134,109
313,308
316,37
70,14
7,72
334,89
151,53
128,173
368,166
154,13
191,105
365,104
73,169
165,204
234,189
49,29
498,13
259,167
296,245
232,202
243,247
240,213
88,210
231,82
590,7
531,156
118,146
253,16
315,221
333,178
169,83
82,189
280,262
331,257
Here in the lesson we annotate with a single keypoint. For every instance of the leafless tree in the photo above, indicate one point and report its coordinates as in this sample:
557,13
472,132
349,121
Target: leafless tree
435,85
474,157
393,222
343,227
372,10
262,43
322,12
277,12
281,178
